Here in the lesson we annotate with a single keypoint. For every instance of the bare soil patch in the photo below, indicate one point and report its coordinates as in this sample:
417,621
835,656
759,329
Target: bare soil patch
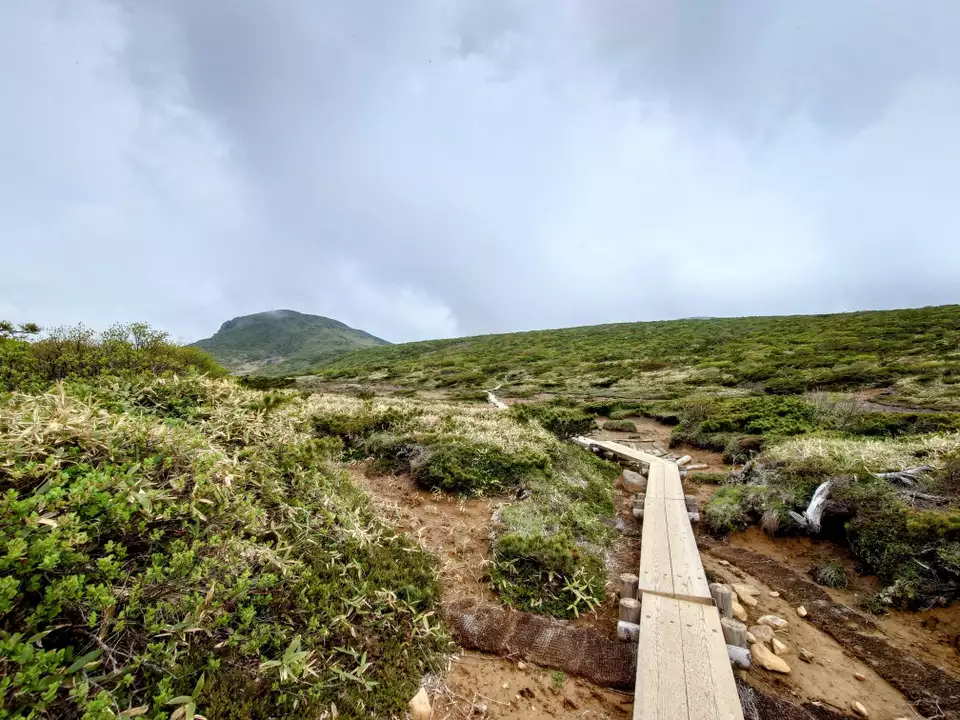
860,640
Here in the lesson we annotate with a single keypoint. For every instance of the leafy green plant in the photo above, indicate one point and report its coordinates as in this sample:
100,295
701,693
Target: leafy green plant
831,574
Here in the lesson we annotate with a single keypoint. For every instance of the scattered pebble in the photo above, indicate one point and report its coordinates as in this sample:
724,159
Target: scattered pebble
767,660
806,655
859,709
773,593
860,676
801,611
521,666
762,633
723,562
779,648
506,685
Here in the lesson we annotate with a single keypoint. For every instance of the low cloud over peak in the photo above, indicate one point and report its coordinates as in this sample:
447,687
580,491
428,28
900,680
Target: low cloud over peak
421,170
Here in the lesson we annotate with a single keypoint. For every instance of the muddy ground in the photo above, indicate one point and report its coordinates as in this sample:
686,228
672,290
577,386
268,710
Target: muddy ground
483,686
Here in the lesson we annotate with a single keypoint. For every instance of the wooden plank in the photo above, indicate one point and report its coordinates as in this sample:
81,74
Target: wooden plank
697,665
621,450
660,690
672,486
656,572
689,577
655,478
725,696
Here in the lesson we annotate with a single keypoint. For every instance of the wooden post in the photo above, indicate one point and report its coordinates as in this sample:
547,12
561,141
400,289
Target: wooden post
629,583
734,632
723,597
630,610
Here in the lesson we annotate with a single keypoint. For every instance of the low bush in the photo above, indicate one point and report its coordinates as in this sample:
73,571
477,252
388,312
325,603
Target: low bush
831,574
563,422
620,426
465,467
151,567
261,382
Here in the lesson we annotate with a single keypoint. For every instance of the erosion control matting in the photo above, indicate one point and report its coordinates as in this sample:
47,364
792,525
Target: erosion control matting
584,652
544,641
936,693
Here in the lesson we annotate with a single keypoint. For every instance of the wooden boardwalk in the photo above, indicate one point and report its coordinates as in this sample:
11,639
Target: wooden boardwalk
683,670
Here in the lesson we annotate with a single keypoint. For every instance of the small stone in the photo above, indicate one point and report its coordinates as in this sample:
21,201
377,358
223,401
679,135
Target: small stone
521,666
801,611
420,706
723,562
751,638
762,633
860,676
745,594
506,685
773,593
777,623
778,647
859,709
806,655
767,660
739,612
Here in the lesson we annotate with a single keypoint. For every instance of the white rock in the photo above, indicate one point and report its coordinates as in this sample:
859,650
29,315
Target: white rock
859,709
739,612
745,594
773,593
778,647
767,660
860,676
521,666
801,611
777,623
723,562
806,655
751,638
420,706
763,633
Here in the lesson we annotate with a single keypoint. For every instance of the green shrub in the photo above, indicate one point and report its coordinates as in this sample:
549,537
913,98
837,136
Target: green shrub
261,382
620,426
564,422
708,478
547,574
831,574
727,510
461,466
78,353
142,562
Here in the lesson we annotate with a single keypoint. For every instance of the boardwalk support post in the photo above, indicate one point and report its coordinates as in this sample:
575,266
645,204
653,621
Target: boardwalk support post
630,610
723,597
628,585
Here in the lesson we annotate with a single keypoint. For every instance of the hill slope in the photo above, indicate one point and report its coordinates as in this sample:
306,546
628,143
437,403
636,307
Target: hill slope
281,342
917,350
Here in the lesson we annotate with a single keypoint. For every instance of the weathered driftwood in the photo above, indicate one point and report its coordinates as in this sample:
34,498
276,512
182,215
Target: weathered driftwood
813,515
697,466
907,477
684,460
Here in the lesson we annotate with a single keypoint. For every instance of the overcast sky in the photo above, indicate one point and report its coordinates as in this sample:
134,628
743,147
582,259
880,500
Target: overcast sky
432,168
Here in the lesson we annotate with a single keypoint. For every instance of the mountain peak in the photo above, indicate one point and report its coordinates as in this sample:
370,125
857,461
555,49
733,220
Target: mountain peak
280,342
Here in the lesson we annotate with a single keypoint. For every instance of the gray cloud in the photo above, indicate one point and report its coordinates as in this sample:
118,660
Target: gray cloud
420,169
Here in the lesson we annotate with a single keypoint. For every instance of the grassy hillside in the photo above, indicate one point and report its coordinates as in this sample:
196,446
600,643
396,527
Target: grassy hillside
282,342
917,352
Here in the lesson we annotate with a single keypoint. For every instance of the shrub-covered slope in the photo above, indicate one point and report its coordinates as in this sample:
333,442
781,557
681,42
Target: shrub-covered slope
917,351
282,342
